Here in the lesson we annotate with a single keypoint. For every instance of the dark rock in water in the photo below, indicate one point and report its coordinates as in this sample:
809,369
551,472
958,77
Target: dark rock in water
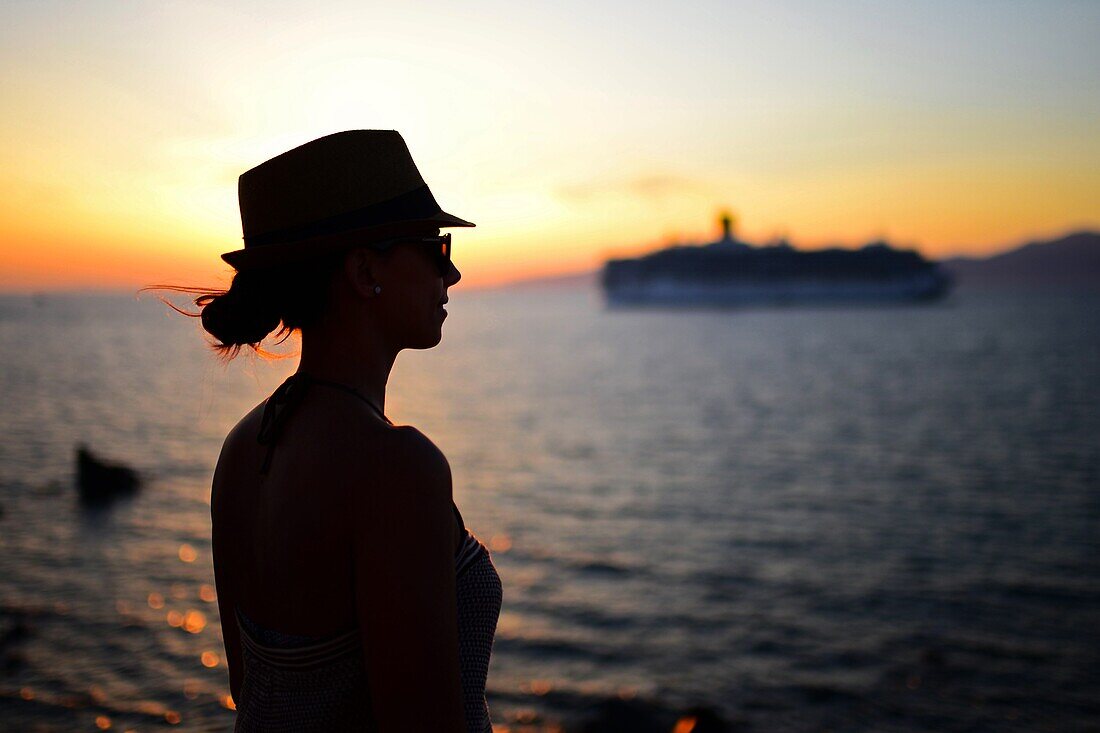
99,481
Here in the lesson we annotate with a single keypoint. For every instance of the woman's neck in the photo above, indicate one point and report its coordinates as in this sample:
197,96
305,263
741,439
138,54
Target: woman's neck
355,362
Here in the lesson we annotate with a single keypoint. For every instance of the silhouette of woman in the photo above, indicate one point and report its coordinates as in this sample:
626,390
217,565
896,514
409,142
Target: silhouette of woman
351,595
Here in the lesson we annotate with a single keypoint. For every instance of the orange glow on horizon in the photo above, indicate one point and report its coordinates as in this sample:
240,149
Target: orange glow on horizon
40,263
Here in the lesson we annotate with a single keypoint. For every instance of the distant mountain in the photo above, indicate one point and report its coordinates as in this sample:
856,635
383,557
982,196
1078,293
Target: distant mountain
1073,261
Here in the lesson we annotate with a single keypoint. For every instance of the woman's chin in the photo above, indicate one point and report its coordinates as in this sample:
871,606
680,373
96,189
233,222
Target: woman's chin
428,340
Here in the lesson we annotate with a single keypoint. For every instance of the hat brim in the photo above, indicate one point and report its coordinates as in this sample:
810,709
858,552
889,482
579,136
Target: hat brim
306,249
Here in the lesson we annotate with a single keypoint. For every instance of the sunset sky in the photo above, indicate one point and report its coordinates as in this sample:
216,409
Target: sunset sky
568,130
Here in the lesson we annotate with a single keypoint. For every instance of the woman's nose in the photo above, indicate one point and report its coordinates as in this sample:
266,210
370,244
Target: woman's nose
453,275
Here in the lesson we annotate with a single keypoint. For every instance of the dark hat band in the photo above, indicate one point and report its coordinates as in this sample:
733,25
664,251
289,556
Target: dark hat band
416,204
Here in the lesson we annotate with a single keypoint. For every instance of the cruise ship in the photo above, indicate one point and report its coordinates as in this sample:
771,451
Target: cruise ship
731,272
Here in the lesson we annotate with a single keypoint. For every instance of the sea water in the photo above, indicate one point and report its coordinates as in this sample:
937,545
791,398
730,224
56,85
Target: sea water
859,519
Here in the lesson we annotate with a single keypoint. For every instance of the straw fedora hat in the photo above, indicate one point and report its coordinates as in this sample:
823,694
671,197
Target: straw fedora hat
336,191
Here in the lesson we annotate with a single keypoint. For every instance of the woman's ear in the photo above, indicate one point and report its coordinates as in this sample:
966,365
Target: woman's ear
361,269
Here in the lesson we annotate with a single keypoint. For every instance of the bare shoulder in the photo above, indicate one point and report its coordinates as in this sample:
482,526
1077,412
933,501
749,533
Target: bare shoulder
412,448
248,427
409,458
411,471
234,452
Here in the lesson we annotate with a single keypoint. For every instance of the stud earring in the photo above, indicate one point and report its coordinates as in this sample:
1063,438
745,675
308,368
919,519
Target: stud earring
377,289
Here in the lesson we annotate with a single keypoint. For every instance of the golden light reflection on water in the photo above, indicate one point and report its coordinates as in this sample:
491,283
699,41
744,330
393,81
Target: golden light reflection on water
227,702
172,717
187,553
175,618
537,687
194,621
150,707
210,659
500,543
156,600
206,593
526,716
508,625
102,722
26,693
191,689
685,724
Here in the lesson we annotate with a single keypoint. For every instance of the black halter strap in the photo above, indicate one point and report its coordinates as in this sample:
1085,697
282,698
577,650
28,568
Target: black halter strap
349,390
282,402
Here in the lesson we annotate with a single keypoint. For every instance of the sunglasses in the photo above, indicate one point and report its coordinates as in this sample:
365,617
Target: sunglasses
439,248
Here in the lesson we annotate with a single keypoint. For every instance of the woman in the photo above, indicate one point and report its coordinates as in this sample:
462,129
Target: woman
351,595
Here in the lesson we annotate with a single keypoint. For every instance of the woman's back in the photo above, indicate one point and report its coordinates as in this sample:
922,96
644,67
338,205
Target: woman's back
283,538
311,552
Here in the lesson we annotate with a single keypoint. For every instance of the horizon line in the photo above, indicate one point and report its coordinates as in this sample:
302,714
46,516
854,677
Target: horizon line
115,290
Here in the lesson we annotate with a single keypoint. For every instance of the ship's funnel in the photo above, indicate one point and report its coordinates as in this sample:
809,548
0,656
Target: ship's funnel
727,226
